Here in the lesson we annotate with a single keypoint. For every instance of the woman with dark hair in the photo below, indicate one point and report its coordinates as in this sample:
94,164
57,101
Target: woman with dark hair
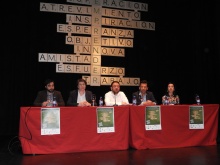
170,98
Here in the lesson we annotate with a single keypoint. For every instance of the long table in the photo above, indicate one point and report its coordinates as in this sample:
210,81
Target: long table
175,130
78,131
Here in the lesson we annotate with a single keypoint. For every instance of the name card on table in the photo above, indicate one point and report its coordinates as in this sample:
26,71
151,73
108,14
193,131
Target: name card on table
105,119
50,121
196,117
152,118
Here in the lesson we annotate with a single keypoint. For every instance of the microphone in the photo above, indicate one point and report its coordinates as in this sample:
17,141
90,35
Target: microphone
115,102
140,97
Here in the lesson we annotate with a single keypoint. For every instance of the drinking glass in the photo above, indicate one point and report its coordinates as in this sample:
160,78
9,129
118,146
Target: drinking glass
177,99
93,99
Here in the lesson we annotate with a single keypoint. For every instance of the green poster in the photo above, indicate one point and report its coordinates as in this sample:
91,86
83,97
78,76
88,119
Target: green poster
196,117
50,121
105,119
152,118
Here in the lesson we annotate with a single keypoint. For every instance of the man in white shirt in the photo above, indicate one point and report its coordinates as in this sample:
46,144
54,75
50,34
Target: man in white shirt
115,96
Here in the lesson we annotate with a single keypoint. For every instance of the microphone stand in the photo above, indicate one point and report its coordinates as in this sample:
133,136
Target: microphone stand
115,102
140,97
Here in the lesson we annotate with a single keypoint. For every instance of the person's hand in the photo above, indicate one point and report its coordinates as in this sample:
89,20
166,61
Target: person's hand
87,104
84,103
80,104
148,102
44,104
124,103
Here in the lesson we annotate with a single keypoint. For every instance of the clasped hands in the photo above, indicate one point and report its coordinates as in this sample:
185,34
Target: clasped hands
84,104
148,102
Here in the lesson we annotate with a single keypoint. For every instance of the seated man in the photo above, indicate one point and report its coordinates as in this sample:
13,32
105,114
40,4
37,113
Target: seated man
45,97
143,96
115,96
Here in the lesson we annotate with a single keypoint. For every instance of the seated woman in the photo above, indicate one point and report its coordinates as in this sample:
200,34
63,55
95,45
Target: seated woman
170,98
81,96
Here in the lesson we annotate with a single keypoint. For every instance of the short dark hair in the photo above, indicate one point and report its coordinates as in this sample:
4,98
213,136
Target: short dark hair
81,80
48,81
114,82
143,82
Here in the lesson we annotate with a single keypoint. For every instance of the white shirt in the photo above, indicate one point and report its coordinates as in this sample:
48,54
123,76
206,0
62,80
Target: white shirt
81,98
143,98
111,98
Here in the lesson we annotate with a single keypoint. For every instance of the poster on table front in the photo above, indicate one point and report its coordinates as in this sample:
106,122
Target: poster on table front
152,118
105,119
196,117
50,121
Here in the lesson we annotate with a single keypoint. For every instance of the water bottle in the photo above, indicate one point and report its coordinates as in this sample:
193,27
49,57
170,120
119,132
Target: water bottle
177,99
134,100
197,100
166,100
54,101
100,101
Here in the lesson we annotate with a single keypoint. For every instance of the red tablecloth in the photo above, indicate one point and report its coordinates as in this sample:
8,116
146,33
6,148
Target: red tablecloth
78,131
175,128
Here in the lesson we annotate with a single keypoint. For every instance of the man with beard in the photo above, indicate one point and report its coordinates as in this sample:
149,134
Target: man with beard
143,96
115,96
45,97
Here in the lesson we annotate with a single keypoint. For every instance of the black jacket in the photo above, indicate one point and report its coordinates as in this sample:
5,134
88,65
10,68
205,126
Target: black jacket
42,96
72,100
149,96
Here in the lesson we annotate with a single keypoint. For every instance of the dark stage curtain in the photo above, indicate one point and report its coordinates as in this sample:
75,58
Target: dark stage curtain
184,48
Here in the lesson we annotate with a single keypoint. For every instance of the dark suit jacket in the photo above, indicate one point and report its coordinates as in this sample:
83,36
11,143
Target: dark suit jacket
42,96
72,100
149,96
